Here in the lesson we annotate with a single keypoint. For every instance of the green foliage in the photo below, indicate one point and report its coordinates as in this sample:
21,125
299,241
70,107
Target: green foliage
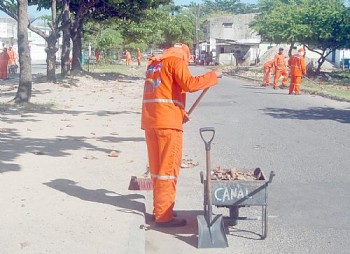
159,28
146,32
226,7
102,35
317,23
9,7
328,27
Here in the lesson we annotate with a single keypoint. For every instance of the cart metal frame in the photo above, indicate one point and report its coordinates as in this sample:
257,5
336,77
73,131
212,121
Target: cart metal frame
234,194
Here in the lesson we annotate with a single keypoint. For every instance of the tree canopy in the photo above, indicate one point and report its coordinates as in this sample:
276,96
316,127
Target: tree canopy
320,25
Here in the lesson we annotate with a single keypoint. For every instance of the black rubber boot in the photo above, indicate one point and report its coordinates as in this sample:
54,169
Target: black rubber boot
173,223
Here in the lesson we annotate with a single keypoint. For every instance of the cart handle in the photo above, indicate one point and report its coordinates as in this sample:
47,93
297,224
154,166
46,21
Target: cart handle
207,142
272,174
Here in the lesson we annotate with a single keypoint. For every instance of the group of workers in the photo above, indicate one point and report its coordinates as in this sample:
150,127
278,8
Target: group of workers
128,57
7,59
167,81
278,66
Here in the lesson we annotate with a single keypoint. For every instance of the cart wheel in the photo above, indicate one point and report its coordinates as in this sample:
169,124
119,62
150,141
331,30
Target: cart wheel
264,222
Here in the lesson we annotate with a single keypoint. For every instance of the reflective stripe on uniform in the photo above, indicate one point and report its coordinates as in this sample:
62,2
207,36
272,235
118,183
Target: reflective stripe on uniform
164,101
163,177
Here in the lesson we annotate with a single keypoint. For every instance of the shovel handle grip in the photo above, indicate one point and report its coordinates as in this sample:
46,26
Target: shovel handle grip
207,140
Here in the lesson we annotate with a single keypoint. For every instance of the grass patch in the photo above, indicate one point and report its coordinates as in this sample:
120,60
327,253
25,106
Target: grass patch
133,71
332,90
337,88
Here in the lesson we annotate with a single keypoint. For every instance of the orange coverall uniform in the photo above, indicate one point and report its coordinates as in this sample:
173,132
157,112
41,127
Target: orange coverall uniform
139,56
280,70
4,59
297,69
12,57
167,81
268,67
127,57
97,56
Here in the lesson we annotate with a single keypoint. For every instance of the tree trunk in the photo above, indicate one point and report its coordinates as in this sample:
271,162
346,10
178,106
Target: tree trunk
290,49
65,61
24,92
51,51
77,46
320,61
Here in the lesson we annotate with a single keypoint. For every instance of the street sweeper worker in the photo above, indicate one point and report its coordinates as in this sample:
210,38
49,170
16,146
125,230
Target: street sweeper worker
138,57
168,79
4,59
12,56
268,67
127,57
280,69
297,69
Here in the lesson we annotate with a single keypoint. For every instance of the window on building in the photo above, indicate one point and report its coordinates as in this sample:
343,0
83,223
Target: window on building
227,25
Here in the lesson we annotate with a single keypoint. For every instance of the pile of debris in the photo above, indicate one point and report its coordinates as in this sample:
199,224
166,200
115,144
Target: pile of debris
271,52
236,174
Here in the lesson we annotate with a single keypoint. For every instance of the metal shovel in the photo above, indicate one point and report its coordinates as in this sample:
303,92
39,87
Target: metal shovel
211,232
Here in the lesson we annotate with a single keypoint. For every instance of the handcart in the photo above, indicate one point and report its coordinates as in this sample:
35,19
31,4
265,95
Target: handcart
232,194
12,69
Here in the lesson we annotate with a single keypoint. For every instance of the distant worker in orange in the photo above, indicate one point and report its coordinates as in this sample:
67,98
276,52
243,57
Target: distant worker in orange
139,56
127,57
268,67
168,79
12,56
280,69
4,61
97,56
297,69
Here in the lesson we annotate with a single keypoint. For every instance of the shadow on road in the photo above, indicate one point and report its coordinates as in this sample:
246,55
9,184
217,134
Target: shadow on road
187,234
127,203
317,113
13,145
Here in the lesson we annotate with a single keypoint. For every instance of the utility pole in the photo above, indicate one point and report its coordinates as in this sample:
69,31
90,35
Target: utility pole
197,51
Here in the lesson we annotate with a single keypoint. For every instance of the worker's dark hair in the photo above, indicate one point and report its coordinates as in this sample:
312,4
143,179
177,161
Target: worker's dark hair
280,49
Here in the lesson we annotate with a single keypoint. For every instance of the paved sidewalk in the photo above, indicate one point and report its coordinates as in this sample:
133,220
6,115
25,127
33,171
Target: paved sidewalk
61,192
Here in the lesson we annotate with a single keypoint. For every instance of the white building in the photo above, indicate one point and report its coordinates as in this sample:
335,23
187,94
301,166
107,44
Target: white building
8,37
340,57
231,38
8,32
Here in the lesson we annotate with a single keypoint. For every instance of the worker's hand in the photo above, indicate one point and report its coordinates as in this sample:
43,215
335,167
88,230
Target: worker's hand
218,72
186,118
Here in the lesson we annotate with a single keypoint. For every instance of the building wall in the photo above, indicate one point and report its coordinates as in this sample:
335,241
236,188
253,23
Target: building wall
8,32
234,28
338,55
8,37
220,28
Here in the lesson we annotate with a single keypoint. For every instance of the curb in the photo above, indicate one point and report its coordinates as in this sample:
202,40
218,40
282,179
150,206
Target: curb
137,238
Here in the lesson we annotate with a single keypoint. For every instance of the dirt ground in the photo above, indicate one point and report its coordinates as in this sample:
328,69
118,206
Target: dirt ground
65,165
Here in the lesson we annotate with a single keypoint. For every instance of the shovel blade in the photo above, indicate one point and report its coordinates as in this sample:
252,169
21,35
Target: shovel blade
211,234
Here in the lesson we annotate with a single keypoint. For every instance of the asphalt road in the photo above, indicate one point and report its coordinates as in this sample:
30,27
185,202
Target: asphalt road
304,139
38,67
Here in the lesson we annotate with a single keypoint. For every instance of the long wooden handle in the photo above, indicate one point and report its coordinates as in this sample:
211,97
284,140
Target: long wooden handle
197,101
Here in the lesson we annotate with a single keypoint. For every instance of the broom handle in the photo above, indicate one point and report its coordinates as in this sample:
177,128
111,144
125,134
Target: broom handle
197,101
